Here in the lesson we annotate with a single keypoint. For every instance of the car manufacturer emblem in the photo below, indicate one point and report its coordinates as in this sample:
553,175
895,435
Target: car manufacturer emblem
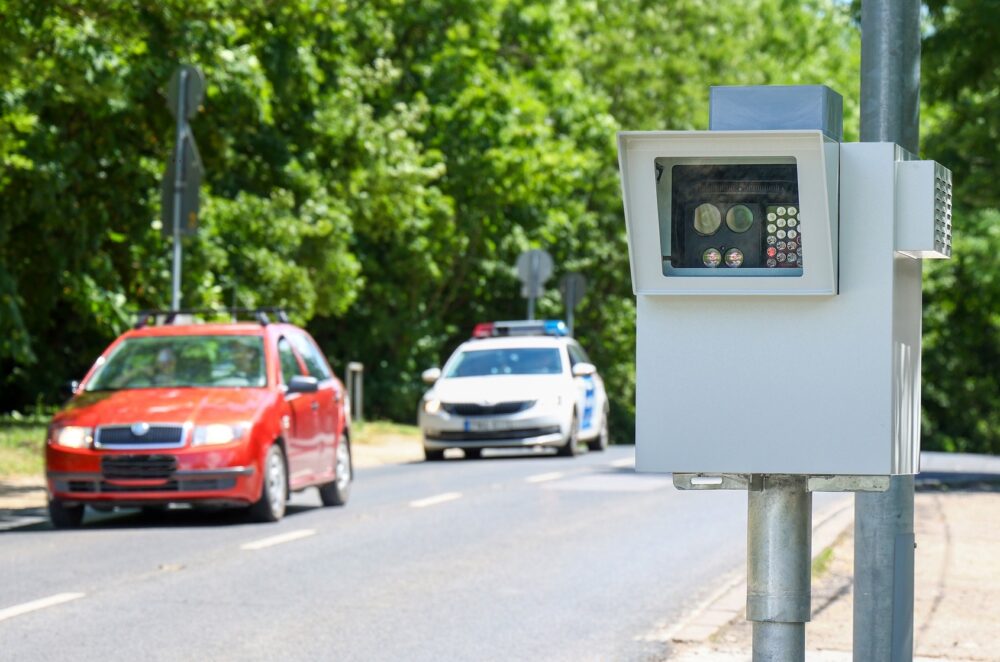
140,429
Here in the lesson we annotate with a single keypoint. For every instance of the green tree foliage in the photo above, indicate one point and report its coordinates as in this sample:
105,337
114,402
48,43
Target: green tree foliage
375,166
961,91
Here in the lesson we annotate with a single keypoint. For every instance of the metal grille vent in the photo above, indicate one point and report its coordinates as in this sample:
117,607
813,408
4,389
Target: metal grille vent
942,210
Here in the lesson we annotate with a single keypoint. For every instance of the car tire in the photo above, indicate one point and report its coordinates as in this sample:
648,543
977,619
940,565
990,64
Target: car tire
339,491
63,516
601,443
572,445
274,488
433,455
473,453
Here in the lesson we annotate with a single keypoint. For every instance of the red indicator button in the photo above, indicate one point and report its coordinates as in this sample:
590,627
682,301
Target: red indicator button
772,251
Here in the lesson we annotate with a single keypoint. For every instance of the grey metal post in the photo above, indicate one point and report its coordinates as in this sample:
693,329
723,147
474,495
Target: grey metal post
883,521
175,300
355,388
779,564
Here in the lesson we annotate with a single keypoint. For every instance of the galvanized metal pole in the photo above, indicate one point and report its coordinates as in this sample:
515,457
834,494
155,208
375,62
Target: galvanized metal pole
175,299
883,521
779,564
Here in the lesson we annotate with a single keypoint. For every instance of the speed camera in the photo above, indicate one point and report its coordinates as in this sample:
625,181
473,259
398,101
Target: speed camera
777,277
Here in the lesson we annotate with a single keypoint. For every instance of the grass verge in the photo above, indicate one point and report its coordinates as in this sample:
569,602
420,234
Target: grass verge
21,449
380,432
822,562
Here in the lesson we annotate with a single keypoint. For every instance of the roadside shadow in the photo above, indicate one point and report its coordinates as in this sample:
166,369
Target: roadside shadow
27,520
957,482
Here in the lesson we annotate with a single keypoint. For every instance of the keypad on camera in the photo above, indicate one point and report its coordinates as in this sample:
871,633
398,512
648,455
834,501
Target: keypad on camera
784,236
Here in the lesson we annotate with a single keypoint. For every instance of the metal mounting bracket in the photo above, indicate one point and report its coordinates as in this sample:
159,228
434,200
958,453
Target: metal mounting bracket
713,481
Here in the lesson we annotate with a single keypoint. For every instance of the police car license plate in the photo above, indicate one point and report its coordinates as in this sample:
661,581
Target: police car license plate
486,425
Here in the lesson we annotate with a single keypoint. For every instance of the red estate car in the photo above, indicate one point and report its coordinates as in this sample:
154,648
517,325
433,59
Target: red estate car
214,413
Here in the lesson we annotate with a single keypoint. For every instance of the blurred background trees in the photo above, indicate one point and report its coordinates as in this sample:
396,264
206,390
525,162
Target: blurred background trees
376,167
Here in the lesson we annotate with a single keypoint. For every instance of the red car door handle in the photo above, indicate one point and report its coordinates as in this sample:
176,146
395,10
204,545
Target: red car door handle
314,405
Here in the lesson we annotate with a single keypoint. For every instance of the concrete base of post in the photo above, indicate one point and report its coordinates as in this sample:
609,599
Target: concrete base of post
779,565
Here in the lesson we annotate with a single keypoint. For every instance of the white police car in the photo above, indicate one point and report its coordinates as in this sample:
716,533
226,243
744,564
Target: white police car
515,385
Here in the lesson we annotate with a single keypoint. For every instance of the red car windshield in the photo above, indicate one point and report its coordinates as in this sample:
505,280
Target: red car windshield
183,361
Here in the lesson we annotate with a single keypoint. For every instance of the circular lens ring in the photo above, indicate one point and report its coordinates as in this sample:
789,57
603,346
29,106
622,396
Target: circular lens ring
734,258
711,257
739,218
707,219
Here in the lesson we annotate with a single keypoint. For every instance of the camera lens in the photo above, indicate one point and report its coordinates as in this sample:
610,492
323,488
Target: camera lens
707,219
739,218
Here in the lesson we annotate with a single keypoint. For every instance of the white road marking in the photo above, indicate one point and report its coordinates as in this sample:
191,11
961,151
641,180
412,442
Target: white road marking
278,539
35,605
624,462
434,500
541,478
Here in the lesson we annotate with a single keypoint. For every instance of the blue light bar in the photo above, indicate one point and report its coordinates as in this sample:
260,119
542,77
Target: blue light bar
556,328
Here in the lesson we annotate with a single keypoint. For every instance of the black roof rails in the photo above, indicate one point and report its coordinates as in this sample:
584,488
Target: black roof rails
147,317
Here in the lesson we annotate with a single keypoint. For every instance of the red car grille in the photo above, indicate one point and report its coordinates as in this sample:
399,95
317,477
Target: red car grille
109,436
138,467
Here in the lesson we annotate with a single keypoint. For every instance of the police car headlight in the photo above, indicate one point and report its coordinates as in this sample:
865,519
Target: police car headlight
73,436
432,406
214,435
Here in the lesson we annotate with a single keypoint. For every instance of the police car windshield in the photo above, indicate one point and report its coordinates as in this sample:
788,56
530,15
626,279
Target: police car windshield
506,361
183,361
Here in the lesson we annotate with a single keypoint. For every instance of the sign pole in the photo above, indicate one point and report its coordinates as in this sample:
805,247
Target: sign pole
533,261
883,521
779,564
179,188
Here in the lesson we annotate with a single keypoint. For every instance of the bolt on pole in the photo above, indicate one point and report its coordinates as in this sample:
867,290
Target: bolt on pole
883,522
175,299
779,566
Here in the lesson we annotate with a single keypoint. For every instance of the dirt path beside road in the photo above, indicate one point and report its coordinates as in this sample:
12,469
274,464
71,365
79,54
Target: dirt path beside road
957,586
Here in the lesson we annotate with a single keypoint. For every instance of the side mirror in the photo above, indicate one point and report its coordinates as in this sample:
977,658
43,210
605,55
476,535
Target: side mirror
69,389
303,384
431,375
584,370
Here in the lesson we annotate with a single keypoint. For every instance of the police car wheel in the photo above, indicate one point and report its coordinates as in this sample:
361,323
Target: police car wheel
601,443
572,445
433,456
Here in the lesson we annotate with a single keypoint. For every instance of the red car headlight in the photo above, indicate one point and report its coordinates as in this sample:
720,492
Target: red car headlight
72,436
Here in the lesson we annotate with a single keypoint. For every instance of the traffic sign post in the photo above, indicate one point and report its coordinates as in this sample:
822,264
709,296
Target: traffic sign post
534,267
182,180
572,286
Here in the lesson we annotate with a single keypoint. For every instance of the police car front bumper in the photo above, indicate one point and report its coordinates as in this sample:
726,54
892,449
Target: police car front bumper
539,427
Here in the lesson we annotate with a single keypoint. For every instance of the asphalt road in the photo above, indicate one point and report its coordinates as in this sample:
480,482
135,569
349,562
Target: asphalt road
531,558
